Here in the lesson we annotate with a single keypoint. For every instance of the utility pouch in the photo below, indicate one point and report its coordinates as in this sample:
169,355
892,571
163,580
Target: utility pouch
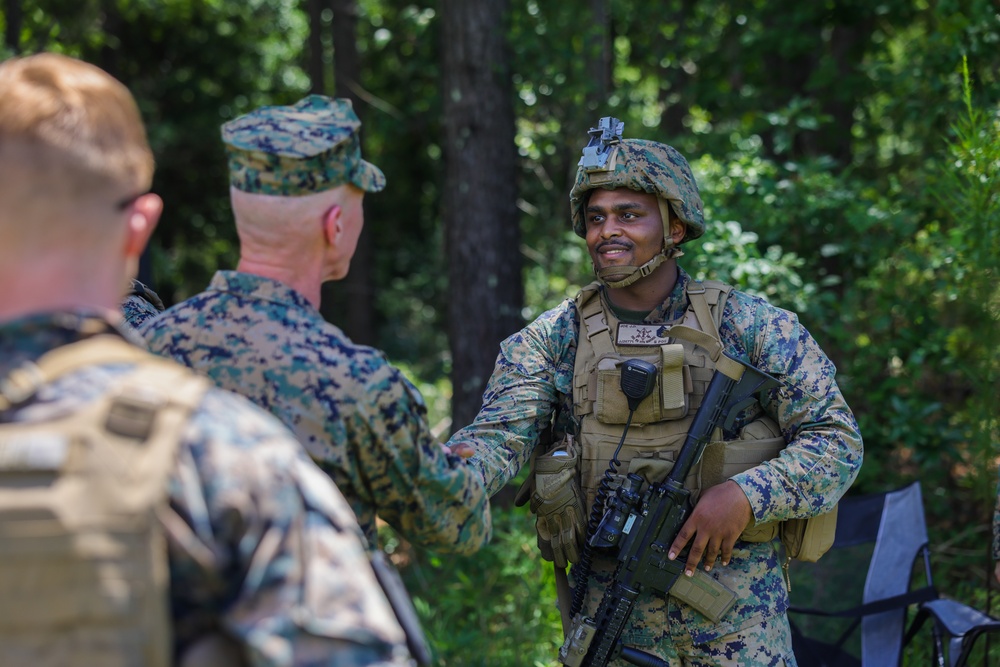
803,539
808,539
669,401
612,404
675,382
704,594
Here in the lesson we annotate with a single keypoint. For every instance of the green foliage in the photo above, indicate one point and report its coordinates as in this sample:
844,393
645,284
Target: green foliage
970,229
398,46
928,354
494,609
217,60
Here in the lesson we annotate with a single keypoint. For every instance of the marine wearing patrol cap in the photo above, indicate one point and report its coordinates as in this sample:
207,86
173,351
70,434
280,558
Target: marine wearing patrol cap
308,147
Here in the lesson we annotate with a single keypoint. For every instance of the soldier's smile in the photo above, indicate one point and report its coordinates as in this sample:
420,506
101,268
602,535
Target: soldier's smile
614,252
624,227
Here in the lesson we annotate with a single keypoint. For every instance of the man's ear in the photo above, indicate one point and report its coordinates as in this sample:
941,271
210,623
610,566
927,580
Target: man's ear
143,216
333,225
677,229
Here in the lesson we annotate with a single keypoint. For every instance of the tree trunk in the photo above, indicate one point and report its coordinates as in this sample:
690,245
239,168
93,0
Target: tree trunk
315,67
332,300
847,49
113,25
597,55
12,28
675,97
349,303
480,211
357,287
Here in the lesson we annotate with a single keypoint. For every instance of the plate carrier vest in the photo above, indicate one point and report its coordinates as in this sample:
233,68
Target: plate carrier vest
83,560
661,421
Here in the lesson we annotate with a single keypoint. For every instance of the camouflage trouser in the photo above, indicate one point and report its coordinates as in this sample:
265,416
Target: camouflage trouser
670,629
766,645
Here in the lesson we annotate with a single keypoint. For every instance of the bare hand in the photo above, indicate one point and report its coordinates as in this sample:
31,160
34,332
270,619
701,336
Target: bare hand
463,449
722,513
996,572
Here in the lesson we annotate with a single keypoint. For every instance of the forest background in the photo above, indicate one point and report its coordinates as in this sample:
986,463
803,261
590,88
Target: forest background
847,152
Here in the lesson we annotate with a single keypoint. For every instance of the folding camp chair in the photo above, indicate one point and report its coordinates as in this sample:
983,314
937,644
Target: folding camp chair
865,583
956,628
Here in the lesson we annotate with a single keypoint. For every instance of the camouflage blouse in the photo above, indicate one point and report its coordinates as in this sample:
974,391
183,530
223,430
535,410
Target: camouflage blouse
361,420
140,304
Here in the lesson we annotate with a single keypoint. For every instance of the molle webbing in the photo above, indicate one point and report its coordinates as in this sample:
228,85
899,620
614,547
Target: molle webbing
83,565
687,355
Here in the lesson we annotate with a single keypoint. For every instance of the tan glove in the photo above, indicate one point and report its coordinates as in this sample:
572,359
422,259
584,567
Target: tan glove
557,502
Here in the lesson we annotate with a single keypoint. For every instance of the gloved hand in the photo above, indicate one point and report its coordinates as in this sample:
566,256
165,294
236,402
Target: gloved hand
557,502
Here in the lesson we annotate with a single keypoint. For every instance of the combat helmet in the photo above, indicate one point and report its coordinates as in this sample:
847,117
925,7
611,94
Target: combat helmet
611,162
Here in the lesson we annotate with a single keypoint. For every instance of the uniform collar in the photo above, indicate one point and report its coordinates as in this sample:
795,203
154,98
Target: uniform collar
30,337
258,287
676,303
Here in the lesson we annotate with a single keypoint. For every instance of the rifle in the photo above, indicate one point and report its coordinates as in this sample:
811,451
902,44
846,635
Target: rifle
649,522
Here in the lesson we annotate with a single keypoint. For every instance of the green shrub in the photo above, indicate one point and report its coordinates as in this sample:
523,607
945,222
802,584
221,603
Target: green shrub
495,608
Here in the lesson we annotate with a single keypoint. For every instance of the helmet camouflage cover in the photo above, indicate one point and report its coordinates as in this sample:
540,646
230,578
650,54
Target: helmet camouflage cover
644,166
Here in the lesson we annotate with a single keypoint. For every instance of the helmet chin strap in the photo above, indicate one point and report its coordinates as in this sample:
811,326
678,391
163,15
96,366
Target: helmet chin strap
628,274
623,276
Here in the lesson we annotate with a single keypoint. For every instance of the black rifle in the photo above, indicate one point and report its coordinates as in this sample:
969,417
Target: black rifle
650,523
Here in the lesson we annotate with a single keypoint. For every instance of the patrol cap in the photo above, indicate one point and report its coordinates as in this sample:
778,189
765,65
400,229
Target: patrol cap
308,147
644,166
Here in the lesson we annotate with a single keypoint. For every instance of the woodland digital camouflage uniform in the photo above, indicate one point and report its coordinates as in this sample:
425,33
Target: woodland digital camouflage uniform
532,388
299,593
532,384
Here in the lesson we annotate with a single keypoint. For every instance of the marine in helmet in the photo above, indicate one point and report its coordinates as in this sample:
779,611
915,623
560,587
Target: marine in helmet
554,402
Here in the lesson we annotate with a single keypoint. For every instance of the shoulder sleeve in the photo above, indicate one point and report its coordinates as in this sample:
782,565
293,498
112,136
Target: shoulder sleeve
137,311
825,449
263,544
435,499
532,376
